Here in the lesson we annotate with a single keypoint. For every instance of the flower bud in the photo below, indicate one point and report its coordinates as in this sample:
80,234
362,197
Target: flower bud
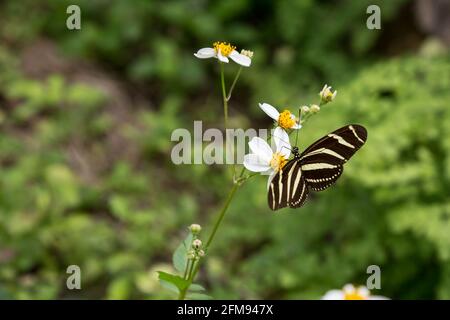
201,253
326,95
191,254
195,228
196,244
305,109
247,53
314,108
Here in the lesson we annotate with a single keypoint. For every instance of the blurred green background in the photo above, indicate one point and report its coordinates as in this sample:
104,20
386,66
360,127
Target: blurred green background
85,124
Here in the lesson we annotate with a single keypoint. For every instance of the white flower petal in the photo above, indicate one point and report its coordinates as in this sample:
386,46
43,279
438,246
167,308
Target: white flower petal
297,126
221,57
205,53
282,144
334,295
240,59
261,148
254,163
270,111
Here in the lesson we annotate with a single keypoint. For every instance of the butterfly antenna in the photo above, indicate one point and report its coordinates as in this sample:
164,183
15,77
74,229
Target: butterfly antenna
271,135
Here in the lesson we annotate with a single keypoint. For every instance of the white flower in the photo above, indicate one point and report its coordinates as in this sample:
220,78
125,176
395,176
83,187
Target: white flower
350,292
223,51
265,160
285,119
326,95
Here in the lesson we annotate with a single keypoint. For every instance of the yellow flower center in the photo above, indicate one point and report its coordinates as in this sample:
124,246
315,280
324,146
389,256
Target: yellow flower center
225,48
278,161
285,120
353,295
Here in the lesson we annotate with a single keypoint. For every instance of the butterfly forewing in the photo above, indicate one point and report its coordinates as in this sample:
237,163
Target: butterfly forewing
322,162
317,168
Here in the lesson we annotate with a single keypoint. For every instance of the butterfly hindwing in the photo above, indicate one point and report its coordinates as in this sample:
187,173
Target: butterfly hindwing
316,168
288,187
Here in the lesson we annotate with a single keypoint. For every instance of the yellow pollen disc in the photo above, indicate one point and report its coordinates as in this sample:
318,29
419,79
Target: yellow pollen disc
278,161
285,120
353,295
225,48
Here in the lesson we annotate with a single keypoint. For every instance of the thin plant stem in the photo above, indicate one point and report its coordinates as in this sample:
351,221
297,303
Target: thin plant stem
228,148
188,265
221,215
234,83
195,267
224,96
187,276
192,268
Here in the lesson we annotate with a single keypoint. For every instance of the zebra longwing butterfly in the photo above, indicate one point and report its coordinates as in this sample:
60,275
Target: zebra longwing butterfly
316,168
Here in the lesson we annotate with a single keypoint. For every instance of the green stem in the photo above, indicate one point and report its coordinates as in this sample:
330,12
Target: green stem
194,267
191,273
234,83
228,148
188,265
182,295
221,215
224,96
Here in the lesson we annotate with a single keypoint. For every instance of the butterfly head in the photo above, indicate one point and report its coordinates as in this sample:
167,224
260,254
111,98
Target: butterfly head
295,152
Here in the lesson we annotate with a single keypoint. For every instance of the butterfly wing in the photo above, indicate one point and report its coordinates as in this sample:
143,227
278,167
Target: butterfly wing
322,162
288,187
317,168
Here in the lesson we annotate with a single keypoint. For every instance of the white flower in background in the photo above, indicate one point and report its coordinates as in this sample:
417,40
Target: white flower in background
223,51
326,95
350,292
285,119
265,160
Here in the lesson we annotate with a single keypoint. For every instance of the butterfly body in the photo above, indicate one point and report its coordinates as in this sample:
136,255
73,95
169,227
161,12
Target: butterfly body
316,168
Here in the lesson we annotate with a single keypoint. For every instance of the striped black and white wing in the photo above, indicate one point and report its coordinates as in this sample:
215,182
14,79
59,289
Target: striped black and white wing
288,187
317,168
322,162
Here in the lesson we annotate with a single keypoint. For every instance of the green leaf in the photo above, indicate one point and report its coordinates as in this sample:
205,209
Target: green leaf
179,258
196,287
178,281
169,286
198,296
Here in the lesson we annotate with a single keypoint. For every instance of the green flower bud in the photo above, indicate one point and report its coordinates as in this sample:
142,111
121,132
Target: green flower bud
314,108
305,109
196,244
191,254
195,228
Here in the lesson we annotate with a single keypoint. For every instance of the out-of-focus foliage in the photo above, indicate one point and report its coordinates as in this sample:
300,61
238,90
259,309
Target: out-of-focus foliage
86,176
